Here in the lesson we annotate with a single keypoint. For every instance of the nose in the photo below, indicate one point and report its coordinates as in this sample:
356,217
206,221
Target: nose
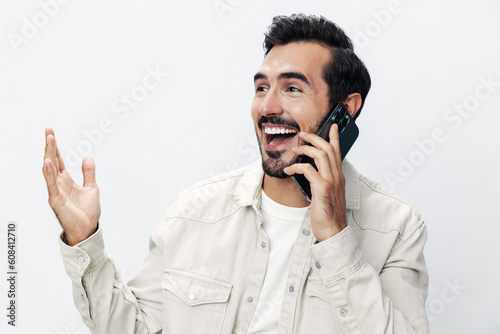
271,105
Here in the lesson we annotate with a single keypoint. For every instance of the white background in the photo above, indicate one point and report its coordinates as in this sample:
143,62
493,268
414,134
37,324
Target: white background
425,58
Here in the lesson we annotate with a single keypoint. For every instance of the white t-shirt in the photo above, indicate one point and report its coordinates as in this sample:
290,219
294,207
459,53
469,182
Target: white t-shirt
281,224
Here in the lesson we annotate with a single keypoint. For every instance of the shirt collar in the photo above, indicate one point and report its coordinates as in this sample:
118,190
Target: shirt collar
247,190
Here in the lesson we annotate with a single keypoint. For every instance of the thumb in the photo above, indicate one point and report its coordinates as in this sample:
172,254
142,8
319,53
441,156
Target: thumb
88,170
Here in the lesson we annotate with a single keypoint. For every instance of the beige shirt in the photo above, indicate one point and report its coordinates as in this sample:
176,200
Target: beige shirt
208,259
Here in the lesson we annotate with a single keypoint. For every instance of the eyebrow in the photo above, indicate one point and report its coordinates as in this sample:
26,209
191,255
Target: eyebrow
284,75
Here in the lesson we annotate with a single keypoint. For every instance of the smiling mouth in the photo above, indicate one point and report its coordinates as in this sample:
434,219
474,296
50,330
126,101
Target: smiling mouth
278,136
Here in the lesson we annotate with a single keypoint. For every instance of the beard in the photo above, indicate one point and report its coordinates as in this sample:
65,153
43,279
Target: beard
274,164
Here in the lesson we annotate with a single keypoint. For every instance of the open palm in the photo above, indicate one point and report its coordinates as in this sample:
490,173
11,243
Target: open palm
76,207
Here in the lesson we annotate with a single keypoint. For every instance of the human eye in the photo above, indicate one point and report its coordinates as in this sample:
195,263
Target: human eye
294,89
261,89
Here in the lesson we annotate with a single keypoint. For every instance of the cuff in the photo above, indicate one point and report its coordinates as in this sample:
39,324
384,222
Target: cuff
85,256
337,256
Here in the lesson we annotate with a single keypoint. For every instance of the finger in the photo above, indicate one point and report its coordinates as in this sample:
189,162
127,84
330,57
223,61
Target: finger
321,159
321,144
309,172
334,141
313,139
50,151
88,170
50,174
53,144
50,131
62,167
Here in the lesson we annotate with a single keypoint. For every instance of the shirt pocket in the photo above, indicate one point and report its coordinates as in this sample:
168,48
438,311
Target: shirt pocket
316,289
316,315
193,303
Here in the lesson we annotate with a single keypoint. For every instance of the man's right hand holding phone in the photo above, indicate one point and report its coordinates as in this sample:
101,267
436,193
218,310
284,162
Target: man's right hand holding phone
327,183
77,207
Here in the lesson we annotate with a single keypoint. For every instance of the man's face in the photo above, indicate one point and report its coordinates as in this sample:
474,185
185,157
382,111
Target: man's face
290,96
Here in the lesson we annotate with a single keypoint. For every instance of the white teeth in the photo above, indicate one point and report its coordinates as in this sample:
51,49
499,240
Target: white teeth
272,142
273,131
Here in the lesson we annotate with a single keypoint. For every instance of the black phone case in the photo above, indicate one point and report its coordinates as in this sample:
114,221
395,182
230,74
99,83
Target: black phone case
348,133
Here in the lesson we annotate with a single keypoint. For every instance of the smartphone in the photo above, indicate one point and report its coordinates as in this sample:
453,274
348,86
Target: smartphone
348,133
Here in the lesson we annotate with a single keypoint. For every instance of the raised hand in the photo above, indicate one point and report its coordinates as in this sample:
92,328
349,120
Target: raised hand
77,208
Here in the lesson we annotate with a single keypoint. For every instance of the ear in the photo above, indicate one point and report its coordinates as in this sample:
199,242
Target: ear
353,103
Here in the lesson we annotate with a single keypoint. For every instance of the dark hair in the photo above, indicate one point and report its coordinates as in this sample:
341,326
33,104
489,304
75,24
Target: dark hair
345,73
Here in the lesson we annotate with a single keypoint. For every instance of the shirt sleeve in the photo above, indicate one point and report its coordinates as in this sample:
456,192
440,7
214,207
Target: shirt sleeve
105,303
365,301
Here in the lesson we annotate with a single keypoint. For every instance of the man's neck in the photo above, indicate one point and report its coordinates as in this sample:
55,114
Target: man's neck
284,191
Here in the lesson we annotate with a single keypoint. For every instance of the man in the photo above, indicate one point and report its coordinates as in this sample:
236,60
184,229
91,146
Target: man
258,257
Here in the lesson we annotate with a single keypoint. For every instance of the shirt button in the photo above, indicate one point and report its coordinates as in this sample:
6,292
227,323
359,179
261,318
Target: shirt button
81,259
317,265
192,296
249,299
343,312
263,244
83,297
291,288
306,232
